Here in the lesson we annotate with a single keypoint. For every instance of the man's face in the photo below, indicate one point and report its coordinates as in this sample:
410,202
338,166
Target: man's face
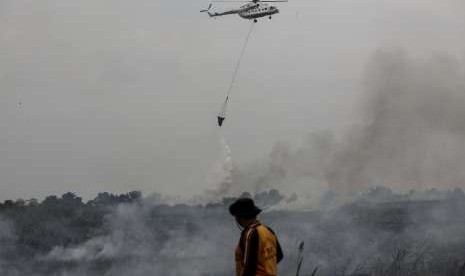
243,222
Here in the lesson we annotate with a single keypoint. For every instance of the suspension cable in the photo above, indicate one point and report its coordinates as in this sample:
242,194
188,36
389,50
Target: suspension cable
236,70
222,114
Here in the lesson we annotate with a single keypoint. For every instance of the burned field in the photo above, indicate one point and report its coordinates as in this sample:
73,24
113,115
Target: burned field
129,235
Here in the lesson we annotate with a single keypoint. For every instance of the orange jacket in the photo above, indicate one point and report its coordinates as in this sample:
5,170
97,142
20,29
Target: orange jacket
258,252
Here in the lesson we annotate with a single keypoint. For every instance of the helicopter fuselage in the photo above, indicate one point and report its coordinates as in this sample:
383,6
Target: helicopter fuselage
254,11
249,11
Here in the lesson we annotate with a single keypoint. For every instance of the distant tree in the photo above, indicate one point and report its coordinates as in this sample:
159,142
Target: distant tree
71,199
50,200
8,203
134,195
107,199
32,202
20,202
103,199
268,198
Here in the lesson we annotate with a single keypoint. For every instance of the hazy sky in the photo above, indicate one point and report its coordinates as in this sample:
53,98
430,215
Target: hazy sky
115,95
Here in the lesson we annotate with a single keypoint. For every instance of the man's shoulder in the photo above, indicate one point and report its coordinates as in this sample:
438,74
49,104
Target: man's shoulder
266,227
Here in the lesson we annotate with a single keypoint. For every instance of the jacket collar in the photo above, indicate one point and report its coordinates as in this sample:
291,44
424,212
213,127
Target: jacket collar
252,225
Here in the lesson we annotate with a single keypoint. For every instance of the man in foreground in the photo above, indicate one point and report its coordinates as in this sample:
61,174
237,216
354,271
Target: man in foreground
258,252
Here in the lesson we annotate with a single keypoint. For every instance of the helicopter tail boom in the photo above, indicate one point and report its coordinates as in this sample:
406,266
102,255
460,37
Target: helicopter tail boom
219,14
222,13
208,9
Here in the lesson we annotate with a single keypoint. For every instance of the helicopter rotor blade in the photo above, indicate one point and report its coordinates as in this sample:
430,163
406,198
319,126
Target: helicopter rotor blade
231,1
254,1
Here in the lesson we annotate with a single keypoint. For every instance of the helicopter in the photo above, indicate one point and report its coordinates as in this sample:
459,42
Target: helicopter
251,11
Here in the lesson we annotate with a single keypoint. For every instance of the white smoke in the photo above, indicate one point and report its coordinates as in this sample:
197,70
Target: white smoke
143,239
219,177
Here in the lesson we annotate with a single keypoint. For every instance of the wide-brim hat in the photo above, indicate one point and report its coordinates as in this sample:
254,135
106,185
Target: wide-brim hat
244,207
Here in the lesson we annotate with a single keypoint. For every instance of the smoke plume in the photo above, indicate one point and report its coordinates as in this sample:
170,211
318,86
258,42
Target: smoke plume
414,131
411,136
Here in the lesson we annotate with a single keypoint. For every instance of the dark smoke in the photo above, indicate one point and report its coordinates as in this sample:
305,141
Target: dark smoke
415,132
411,137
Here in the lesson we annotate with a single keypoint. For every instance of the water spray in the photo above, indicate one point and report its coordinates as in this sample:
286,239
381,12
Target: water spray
227,163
